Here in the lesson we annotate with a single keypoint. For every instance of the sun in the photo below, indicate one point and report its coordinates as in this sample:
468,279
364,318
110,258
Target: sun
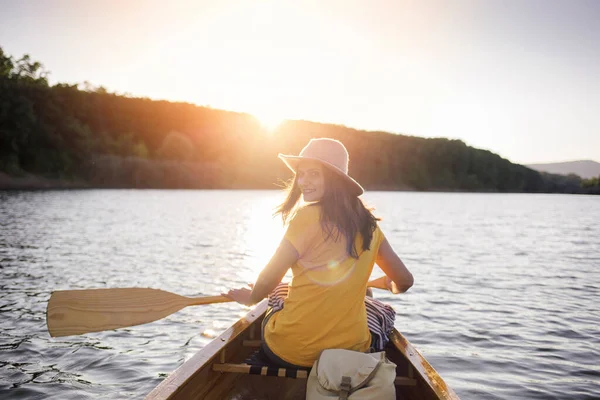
268,120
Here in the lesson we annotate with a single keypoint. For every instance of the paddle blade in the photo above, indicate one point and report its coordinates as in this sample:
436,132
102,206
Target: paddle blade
74,312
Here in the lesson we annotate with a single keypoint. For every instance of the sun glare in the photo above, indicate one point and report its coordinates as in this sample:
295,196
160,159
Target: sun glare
263,232
269,121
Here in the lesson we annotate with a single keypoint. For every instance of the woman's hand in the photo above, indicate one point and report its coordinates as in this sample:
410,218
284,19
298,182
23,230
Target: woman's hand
385,283
391,286
241,295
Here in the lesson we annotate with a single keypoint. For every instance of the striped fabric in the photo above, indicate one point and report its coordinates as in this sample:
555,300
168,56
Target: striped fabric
280,372
380,316
253,366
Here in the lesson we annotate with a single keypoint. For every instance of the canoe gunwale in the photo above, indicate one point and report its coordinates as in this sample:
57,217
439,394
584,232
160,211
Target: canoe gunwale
206,356
422,367
214,352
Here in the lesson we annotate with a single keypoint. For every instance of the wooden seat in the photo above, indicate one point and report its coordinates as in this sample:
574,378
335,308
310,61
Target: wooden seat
262,370
287,372
295,373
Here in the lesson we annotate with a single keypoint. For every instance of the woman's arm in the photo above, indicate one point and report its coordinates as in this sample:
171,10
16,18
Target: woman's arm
399,277
285,256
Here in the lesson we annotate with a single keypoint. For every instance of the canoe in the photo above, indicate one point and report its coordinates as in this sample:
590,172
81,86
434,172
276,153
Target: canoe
218,371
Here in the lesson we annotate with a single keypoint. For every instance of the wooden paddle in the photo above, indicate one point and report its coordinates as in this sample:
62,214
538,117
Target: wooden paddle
74,312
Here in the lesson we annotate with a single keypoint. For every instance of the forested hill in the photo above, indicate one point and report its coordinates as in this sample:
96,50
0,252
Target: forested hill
101,139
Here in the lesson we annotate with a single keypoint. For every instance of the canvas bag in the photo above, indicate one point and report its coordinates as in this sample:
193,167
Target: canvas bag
346,374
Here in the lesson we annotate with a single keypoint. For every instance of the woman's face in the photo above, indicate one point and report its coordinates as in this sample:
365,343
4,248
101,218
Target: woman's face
310,180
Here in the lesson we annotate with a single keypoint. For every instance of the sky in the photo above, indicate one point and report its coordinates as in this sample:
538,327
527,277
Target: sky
520,78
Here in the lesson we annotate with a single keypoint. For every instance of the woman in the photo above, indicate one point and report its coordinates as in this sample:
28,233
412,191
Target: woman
331,244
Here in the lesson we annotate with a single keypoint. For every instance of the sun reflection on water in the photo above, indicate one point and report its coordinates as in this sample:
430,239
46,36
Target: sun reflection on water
262,234
209,333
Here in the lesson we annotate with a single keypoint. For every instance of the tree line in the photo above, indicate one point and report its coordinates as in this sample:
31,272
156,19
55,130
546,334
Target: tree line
103,139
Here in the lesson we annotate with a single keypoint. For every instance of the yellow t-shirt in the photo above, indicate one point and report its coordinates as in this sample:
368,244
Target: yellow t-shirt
325,304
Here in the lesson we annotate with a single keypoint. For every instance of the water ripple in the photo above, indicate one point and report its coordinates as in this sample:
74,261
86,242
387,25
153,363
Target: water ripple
504,302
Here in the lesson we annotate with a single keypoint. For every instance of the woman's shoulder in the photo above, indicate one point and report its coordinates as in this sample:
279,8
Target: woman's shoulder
378,236
307,214
303,226
309,210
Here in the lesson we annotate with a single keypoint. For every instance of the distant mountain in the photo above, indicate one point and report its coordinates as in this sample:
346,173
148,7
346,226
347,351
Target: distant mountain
584,168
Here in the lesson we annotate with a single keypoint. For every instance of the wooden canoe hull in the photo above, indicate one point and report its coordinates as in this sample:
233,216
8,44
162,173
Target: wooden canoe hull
198,379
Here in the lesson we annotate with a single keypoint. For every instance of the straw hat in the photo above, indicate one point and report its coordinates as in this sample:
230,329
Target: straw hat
331,153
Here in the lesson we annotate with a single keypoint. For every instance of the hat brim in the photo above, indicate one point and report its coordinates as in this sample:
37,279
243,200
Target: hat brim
292,163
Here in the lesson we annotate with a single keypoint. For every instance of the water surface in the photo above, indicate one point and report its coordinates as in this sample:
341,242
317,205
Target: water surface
504,304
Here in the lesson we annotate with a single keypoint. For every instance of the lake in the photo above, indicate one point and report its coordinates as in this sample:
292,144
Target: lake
504,306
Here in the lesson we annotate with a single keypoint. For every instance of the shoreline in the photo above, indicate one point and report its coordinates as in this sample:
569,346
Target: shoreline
36,182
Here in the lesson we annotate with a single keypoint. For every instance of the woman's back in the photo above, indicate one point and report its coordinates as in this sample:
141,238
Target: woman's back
325,305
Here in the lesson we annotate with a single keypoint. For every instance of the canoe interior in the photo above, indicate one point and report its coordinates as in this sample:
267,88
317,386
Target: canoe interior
196,379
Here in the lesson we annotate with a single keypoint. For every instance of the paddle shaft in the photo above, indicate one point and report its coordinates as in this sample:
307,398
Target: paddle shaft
199,301
75,312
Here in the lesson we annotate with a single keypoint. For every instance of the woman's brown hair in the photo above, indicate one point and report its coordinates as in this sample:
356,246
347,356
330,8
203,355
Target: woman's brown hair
343,213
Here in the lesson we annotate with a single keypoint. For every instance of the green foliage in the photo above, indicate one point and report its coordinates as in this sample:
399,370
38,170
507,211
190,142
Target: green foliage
562,183
10,165
6,65
140,150
23,70
591,186
590,183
